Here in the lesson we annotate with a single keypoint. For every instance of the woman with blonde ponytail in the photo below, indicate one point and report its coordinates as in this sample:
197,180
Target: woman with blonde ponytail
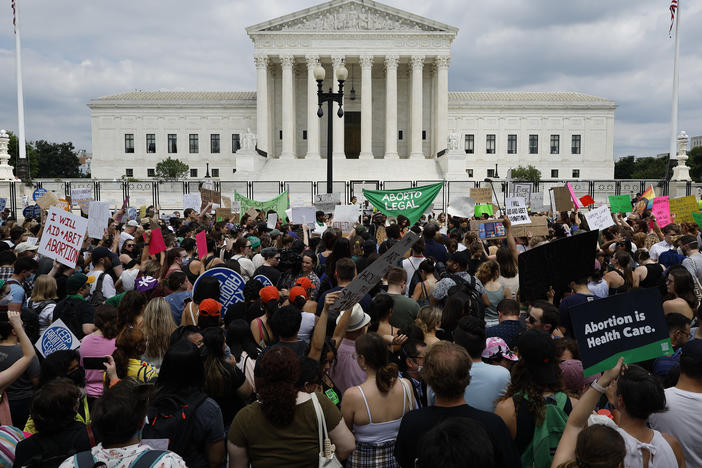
374,409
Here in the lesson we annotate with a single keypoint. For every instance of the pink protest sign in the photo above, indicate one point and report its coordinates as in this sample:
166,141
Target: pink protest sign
661,210
576,202
201,242
157,244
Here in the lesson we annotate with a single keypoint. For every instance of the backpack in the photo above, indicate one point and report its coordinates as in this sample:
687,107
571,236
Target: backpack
475,299
68,310
97,297
146,459
172,419
542,448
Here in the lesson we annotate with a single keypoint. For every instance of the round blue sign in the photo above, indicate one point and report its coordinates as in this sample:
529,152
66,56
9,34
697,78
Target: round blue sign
231,285
38,193
56,338
32,211
264,280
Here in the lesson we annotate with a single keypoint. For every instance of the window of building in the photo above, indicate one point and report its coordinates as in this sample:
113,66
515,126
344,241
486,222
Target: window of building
150,142
554,173
576,173
236,142
129,172
490,144
399,135
511,144
555,144
172,143
470,173
424,134
194,143
151,172
491,172
215,172
128,142
470,144
304,134
214,143
533,144
575,144
193,172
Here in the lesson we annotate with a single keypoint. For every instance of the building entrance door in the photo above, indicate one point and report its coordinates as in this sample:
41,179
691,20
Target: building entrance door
352,134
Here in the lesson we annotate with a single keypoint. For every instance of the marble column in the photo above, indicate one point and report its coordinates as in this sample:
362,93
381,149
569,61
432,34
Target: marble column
417,64
262,102
441,64
338,126
366,107
312,119
288,112
391,62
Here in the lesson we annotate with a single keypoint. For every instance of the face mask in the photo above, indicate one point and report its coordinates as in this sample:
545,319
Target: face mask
419,368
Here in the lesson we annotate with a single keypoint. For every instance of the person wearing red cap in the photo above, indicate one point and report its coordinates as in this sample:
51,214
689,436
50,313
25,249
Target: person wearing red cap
260,326
210,314
298,296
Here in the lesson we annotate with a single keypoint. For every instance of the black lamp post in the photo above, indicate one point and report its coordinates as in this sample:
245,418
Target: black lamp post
489,181
330,97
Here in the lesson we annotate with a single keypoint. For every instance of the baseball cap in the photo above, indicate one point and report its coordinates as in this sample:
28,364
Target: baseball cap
496,347
100,252
358,319
25,246
255,241
132,223
76,281
269,293
573,375
538,352
296,291
268,252
305,282
210,308
146,283
275,233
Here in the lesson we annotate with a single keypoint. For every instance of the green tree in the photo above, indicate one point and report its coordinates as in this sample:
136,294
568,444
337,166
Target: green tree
172,169
650,168
624,167
56,160
32,155
526,174
695,163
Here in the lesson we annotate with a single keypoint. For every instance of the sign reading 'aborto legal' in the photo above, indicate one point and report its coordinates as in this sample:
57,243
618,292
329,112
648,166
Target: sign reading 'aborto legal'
630,325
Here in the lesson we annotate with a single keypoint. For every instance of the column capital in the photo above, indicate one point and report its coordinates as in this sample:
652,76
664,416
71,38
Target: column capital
441,62
337,60
391,61
287,61
312,61
261,61
366,61
417,61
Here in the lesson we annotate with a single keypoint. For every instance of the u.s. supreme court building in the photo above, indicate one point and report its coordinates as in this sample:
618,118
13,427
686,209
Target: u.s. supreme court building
400,120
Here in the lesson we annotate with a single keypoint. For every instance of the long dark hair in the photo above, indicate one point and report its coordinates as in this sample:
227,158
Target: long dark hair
622,258
130,344
106,321
683,284
182,371
239,339
375,352
523,386
276,384
131,305
217,369
341,249
508,267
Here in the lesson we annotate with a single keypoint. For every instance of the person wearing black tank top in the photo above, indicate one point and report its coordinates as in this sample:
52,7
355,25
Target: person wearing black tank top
620,279
649,273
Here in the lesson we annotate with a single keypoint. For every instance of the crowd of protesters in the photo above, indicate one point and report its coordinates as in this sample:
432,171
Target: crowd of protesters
442,363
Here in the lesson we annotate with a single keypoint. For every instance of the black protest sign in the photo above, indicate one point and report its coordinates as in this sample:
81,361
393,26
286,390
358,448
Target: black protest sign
630,325
556,264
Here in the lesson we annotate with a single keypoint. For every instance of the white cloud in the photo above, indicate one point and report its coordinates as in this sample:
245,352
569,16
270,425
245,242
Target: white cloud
75,50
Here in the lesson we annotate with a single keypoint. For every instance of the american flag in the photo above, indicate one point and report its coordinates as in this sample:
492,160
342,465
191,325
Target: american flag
673,9
14,24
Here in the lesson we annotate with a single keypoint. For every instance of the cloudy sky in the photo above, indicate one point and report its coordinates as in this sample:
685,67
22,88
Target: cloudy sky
75,50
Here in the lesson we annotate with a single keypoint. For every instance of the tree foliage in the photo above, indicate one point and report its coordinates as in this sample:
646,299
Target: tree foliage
46,159
172,169
695,163
642,168
526,174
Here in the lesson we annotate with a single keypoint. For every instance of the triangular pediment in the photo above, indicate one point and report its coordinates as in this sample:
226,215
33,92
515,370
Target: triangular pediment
351,16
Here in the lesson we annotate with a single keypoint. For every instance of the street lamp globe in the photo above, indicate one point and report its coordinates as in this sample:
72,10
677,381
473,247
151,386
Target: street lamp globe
342,73
319,72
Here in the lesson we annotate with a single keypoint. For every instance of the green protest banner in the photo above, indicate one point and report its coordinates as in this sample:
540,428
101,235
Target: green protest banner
620,203
698,218
483,209
279,204
410,202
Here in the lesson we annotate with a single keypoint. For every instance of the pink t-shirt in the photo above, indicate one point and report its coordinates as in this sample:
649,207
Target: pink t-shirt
95,346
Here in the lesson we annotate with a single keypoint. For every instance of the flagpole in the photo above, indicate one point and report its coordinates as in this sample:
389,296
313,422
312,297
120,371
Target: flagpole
674,113
20,95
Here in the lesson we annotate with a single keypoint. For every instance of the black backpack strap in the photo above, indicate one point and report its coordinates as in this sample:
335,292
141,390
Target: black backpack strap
148,458
84,459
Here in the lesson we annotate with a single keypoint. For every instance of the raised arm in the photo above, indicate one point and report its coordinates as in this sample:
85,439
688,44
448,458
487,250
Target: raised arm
320,329
511,243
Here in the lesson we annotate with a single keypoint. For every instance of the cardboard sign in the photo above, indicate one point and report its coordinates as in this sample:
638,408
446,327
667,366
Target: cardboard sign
56,337
47,200
516,211
661,210
683,208
210,196
272,220
562,199
223,214
600,218
302,215
630,325
236,206
80,197
252,212
201,243
587,200
537,227
523,189
63,236
192,200
576,202
231,285
327,201
65,205
98,216
369,277
227,202
481,195
620,203
543,266
142,212
346,213
157,244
